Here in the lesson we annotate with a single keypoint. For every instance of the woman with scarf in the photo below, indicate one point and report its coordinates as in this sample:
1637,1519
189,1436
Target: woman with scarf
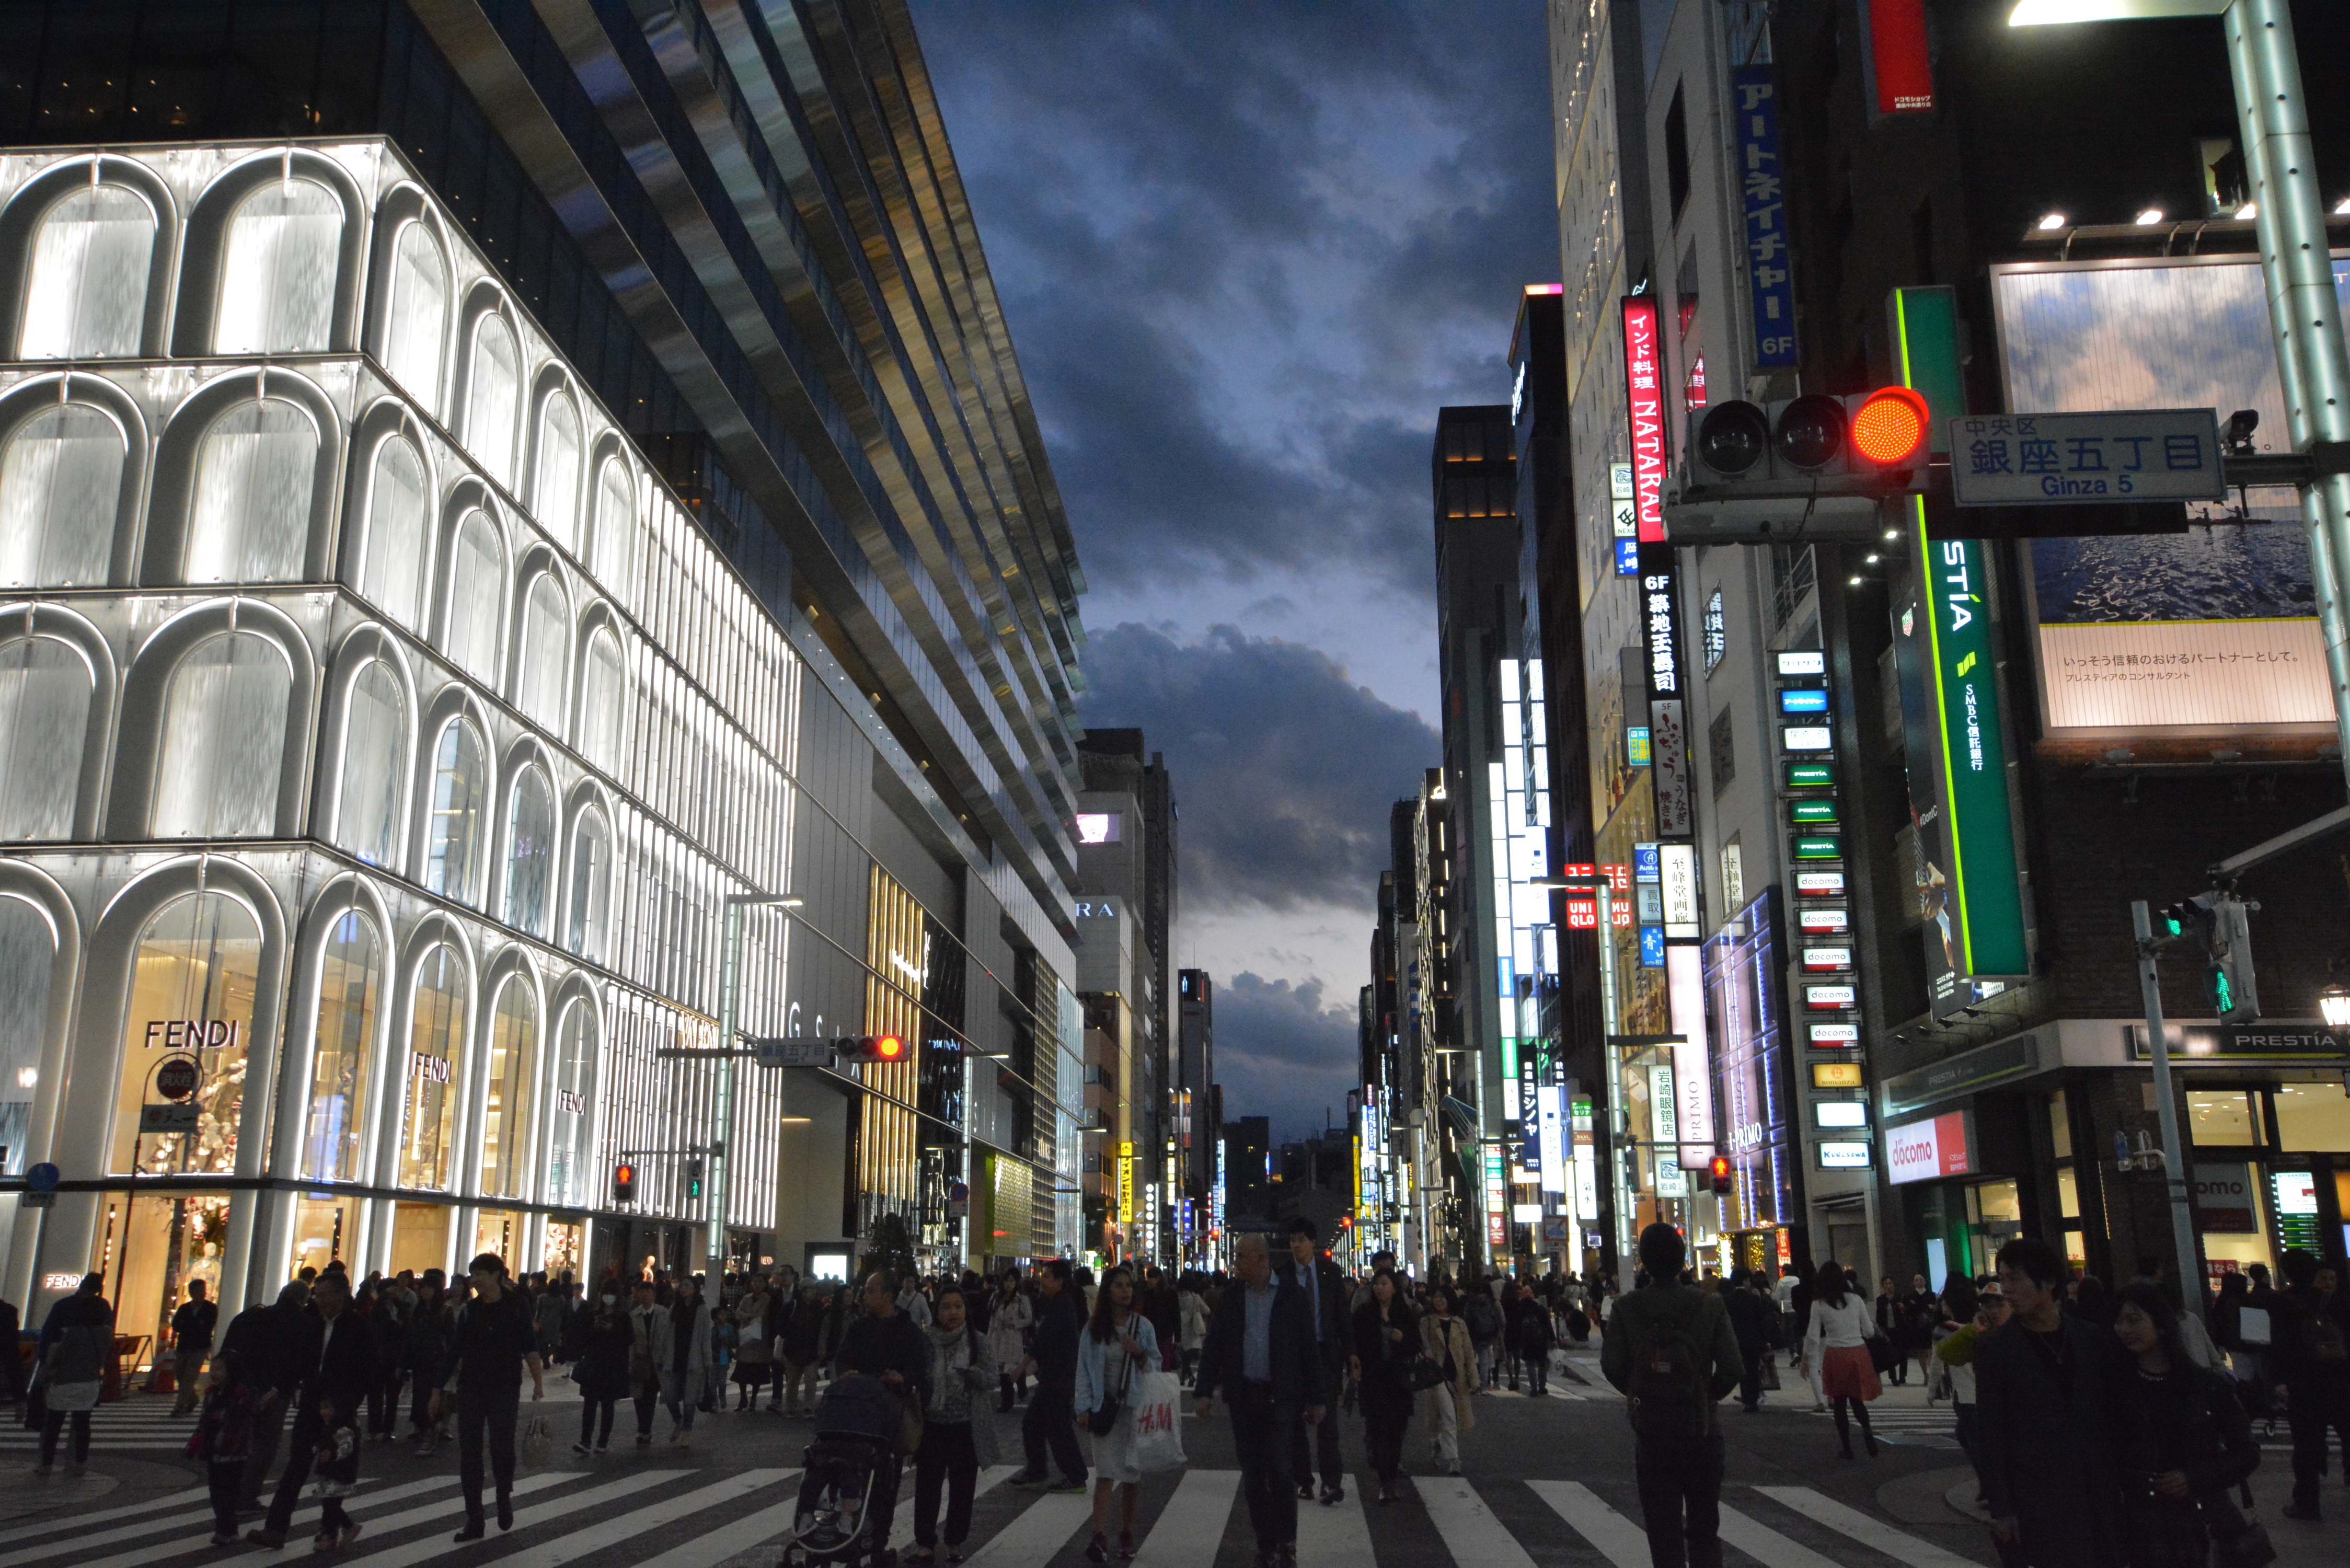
955,1427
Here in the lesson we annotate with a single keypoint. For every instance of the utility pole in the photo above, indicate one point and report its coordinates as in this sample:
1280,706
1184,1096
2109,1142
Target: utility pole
2174,1167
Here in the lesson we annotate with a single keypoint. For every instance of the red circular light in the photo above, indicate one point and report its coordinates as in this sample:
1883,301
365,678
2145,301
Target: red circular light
890,1047
1890,426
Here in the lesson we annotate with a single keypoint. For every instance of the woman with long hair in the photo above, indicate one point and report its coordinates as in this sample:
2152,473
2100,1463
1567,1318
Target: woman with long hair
1838,1346
1008,1338
963,1372
1445,1337
1387,1343
1118,1346
2181,1437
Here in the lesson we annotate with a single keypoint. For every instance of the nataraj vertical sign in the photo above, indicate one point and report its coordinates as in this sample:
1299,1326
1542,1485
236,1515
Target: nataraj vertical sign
1644,386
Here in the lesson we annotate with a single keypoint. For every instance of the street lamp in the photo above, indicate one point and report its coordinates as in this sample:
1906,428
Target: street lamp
722,1149
2333,1005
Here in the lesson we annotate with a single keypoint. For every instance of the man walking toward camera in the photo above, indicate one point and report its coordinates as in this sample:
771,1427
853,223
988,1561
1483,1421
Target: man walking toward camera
1261,1357
1671,1351
494,1342
1326,1303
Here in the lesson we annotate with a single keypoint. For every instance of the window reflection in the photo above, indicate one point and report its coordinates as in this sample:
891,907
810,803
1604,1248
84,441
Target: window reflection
530,854
460,790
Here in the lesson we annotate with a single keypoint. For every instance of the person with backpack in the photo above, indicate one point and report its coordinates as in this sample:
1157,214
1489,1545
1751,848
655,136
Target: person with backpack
1671,1352
1482,1319
1529,1340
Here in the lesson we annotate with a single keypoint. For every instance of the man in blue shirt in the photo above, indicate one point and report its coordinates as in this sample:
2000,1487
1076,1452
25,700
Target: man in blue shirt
1261,1354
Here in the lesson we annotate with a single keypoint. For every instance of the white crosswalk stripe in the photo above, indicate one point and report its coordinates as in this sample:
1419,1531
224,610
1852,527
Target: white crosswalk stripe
1468,1526
1870,1533
1621,1542
1335,1536
1040,1531
1767,1545
23,1529
596,1537
196,1522
435,1543
307,1513
902,1528
1193,1526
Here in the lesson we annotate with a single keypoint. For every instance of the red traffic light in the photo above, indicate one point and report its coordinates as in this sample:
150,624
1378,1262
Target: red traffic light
624,1183
877,1048
1719,1170
1889,427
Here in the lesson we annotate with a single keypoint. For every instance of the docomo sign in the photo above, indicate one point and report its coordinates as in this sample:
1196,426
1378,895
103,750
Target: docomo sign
1645,391
1925,1150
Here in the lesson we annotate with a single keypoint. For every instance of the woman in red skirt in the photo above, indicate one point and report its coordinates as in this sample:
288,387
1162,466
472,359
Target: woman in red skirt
1838,1346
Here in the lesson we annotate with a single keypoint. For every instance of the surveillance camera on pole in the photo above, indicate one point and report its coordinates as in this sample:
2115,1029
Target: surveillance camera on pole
1814,467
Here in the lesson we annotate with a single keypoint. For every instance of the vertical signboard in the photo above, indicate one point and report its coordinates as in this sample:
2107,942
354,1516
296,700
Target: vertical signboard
1644,388
1770,280
1668,725
1692,1062
1551,1098
1900,70
1985,894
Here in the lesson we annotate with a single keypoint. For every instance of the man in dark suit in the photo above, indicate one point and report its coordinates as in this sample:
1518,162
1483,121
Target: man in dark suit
2044,1443
1261,1355
339,1361
1330,1305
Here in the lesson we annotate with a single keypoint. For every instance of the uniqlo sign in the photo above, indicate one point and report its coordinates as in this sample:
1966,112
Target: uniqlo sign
1645,389
1925,1150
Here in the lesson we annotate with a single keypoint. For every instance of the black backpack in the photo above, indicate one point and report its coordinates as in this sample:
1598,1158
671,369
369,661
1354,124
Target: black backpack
1672,1371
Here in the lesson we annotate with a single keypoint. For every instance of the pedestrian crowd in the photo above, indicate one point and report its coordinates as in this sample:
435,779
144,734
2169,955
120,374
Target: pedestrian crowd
2108,1429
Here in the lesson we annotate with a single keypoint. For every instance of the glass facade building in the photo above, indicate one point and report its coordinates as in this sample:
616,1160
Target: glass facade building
428,593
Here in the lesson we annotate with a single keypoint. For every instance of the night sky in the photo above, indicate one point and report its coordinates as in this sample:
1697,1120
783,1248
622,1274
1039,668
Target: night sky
1246,251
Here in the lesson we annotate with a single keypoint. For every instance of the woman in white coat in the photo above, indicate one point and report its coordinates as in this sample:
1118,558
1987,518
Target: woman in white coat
685,1375
1007,1339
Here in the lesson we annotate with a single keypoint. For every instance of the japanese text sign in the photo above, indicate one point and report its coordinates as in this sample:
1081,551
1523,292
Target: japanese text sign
2062,459
1770,285
1645,390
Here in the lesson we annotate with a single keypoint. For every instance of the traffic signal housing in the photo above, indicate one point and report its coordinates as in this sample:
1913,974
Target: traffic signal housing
693,1180
624,1182
2217,927
881,1048
1718,1171
1814,467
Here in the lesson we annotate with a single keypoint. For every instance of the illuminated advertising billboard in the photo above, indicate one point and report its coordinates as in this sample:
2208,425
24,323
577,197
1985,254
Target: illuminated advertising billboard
1745,1020
2211,630
1644,384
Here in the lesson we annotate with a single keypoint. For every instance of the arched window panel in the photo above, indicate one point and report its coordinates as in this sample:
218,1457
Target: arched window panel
398,525
375,766
195,973
494,396
45,686
477,587
250,518
603,688
433,1068
86,295
350,981
60,487
570,1113
587,884
506,1110
460,799
29,951
616,528
279,271
530,853
224,740
555,482
544,679
416,321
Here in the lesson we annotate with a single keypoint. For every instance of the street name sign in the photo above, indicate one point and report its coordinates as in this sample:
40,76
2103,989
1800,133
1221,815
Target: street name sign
2067,460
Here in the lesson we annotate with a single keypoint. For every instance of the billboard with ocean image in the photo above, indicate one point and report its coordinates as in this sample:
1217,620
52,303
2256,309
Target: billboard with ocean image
2213,630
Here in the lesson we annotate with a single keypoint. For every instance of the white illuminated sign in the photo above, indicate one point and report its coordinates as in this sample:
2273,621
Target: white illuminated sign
1831,996
1843,1156
1804,661
1840,1114
1836,1034
1097,827
1693,1065
1823,960
1823,920
1820,884
1677,862
1807,738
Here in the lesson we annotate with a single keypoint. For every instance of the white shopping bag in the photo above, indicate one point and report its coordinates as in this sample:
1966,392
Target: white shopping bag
1158,1424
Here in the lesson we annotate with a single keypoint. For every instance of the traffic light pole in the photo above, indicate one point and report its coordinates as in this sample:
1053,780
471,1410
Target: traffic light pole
722,1143
2174,1169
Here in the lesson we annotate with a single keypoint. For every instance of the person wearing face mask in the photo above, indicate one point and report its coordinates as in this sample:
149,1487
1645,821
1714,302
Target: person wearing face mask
601,1365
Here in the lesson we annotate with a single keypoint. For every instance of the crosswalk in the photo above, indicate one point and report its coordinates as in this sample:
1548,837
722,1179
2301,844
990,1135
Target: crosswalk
142,1425
685,1517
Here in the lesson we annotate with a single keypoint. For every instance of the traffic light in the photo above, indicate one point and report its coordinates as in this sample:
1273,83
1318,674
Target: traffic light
874,1048
1818,464
624,1183
1719,1171
2235,996
693,1179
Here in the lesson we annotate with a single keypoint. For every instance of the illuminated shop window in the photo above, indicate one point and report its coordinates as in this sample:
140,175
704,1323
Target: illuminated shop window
588,882
250,516
514,1067
350,981
570,1114
398,527
530,853
433,1069
28,949
460,787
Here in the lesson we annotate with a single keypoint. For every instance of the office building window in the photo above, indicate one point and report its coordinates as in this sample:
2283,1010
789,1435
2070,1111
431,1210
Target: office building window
398,531
554,481
460,787
476,597
375,766
544,677
530,853
493,395
589,882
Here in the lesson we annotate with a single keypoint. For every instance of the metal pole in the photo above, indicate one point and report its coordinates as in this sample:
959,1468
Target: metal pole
2174,1166
2297,269
729,969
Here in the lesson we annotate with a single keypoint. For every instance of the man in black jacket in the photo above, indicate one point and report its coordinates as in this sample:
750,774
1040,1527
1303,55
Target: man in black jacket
192,1341
2043,1438
266,1340
337,1359
1670,1348
1329,1306
1753,1318
2308,1360
1261,1354
884,1343
1052,1418
494,1342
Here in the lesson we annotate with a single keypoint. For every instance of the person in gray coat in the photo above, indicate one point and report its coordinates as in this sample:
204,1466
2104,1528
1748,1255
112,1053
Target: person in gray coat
2045,1443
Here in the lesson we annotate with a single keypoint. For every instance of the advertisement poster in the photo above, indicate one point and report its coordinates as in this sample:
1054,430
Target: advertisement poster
2215,628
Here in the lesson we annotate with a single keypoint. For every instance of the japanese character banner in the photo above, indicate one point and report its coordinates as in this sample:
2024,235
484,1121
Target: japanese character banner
1770,284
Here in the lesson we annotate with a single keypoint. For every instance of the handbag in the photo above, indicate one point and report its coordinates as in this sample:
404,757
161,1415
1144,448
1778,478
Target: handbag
909,1426
1426,1373
536,1448
1102,1422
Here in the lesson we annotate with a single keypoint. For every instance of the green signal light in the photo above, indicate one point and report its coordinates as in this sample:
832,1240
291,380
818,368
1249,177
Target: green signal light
2223,992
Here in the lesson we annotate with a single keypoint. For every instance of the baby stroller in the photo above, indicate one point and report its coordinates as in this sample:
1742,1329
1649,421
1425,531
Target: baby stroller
851,1476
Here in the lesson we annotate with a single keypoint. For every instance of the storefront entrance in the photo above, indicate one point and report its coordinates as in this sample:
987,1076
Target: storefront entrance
171,1241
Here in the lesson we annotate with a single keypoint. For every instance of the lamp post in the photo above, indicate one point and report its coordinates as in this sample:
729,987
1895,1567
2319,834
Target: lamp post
2296,267
722,1143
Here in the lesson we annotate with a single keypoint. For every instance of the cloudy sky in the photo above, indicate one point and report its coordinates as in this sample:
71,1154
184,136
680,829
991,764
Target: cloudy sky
1247,250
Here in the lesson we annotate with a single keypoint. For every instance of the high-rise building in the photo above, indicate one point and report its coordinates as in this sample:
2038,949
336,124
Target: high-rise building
1196,1124
494,506
1249,1196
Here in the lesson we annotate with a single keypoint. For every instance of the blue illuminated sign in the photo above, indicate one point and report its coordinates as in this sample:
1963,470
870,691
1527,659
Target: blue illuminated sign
1647,863
1628,558
1769,288
1802,700
1652,947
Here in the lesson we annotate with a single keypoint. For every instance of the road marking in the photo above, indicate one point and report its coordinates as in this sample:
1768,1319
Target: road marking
1040,1531
1191,1527
1469,1529
1868,1531
746,1533
1767,1546
194,1518
901,1528
596,1537
1333,1537
389,1524
24,1527
436,1544
1621,1542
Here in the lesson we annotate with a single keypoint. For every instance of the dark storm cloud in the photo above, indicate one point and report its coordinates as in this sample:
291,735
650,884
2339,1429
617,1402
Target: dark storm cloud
1245,252
1282,1052
1284,769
